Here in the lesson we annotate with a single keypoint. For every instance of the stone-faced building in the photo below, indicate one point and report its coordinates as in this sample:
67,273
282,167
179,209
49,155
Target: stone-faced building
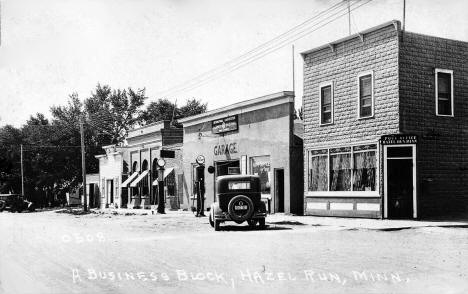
128,174
386,126
251,137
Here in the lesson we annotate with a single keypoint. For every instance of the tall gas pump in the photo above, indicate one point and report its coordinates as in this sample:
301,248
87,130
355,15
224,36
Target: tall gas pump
200,185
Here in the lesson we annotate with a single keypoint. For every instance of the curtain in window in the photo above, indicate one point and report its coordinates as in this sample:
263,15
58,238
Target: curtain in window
364,171
340,172
318,173
444,93
365,85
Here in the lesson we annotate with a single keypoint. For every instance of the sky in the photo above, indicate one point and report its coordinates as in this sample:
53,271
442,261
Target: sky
52,48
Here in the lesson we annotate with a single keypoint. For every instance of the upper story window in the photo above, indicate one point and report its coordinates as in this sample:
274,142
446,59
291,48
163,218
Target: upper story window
366,95
444,92
326,103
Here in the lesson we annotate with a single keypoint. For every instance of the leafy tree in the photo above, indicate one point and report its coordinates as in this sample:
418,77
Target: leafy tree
298,113
10,176
113,112
192,107
163,109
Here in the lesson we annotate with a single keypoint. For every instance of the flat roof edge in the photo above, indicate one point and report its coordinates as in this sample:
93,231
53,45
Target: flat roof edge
238,105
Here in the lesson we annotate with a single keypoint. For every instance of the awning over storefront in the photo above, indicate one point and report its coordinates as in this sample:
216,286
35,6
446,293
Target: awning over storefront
167,171
140,177
130,178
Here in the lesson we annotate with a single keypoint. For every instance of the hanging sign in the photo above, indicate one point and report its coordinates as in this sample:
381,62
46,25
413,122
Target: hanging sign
226,124
398,139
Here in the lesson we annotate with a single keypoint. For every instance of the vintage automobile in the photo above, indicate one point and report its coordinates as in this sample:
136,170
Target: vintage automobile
14,203
238,199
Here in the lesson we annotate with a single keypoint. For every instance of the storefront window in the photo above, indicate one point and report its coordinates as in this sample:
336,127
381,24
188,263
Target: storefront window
340,172
364,171
260,165
346,169
318,170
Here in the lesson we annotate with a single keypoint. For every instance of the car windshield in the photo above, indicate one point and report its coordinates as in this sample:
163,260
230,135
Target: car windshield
238,185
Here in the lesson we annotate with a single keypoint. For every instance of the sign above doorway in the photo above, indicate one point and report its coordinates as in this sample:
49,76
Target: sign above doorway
398,139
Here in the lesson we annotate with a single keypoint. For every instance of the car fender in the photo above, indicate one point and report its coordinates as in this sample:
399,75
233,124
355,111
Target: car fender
216,209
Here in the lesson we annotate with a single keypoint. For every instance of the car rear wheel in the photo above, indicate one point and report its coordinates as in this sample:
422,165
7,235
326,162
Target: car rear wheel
252,223
240,208
2,205
217,225
261,222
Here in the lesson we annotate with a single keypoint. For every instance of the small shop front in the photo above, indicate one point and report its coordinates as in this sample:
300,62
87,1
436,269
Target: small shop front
367,179
251,137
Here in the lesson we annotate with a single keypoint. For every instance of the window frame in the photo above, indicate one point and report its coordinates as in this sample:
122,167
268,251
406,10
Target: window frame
452,108
321,86
360,75
351,193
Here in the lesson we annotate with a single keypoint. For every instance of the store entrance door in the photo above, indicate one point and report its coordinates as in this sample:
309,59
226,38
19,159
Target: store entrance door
231,167
222,168
91,196
110,191
400,179
279,190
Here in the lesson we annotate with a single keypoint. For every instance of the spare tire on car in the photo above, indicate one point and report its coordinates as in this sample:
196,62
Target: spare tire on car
240,208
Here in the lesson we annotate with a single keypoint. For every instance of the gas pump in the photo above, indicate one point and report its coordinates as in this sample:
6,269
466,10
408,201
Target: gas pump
161,163
200,185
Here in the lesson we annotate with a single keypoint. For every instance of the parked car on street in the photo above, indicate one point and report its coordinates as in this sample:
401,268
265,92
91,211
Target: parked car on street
238,199
15,203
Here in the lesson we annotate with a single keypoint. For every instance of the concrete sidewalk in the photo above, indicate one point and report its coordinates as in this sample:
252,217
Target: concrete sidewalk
362,223
293,220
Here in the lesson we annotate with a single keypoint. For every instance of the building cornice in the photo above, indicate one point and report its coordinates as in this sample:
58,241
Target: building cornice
360,35
240,107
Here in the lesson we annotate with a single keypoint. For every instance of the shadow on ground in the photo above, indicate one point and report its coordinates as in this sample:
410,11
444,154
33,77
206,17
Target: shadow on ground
75,211
246,228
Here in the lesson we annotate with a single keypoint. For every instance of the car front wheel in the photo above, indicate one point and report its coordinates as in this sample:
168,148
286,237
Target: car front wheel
210,218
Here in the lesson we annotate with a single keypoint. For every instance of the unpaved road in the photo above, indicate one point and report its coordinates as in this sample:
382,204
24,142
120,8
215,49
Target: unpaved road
48,252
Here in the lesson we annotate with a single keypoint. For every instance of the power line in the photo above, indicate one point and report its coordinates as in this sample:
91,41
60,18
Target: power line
296,36
285,34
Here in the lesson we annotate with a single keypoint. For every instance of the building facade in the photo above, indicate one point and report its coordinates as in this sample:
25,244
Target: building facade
251,137
386,126
129,174
111,174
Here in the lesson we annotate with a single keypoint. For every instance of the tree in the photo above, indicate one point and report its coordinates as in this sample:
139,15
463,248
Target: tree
10,174
192,107
113,112
298,113
163,109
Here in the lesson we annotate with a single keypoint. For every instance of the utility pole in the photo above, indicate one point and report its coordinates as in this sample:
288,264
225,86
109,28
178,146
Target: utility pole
83,166
349,18
404,14
22,172
293,74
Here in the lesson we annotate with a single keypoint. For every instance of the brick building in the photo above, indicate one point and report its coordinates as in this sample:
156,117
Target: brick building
250,137
386,126
128,174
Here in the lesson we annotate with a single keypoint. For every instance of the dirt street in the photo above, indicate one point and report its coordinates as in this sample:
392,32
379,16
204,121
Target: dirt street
49,252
